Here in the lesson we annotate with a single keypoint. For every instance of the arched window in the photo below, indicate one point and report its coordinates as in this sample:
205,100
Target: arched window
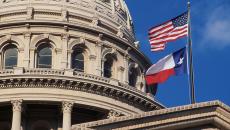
44,56
133,74
78,59
108,64
10,56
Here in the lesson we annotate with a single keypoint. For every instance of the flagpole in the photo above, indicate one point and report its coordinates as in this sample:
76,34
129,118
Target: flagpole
191,72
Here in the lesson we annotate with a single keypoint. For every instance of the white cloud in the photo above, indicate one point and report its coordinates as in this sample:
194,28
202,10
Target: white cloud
216,33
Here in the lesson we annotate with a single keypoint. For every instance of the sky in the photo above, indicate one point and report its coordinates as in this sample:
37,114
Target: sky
210,23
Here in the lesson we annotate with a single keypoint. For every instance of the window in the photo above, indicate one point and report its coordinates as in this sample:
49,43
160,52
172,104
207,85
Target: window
133,77
108,63
10,57
44,56
78,60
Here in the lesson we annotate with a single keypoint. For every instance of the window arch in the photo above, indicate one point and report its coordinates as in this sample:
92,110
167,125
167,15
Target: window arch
44,56
10,56
78,59
108,66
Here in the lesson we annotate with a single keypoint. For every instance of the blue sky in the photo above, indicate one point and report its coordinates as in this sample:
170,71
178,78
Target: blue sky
211,47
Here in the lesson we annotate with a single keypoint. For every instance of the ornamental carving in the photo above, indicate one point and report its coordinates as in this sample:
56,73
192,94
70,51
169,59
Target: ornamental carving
67,106
113,114
17,105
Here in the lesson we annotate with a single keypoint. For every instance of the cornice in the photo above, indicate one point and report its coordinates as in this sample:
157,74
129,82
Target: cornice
183,116
48,78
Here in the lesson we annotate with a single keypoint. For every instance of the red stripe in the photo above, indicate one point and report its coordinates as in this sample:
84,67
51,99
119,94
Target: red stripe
159,77
168,26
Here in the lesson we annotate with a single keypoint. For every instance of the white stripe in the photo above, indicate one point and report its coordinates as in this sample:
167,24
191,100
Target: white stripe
159,45
167,39
174,31
163,64
162,26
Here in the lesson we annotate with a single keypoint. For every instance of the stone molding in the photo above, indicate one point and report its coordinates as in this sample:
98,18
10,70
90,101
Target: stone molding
206,112
48,78
113,114
17,105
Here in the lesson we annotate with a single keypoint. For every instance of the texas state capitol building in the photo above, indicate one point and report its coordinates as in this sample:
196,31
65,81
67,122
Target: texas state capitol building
75,64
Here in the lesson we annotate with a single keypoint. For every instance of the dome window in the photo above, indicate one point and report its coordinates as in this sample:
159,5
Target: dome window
44,56
10,57
78,60
108,64
133,77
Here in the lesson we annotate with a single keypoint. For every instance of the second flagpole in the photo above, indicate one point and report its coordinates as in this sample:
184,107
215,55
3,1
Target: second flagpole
191,72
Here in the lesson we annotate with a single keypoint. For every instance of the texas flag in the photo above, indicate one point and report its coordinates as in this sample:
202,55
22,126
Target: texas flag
173,64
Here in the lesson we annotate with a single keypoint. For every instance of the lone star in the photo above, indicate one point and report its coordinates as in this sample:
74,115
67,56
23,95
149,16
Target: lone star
180,61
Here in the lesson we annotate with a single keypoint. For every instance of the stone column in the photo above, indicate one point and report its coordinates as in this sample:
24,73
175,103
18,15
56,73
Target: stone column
65,38
91,67
1,61
67,109
27,37
126,69
69,57
113,6
16,120
32,57
99,58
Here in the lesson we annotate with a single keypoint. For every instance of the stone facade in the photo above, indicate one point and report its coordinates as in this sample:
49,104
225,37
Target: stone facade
48,93
212,115
42,87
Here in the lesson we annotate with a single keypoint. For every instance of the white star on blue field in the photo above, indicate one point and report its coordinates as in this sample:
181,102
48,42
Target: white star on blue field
211,47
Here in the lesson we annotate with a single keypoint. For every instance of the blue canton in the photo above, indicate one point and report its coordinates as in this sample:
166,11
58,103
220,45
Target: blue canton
180,20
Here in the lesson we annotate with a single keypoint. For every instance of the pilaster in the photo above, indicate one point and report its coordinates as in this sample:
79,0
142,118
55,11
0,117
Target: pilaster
65,39
99,46
27,39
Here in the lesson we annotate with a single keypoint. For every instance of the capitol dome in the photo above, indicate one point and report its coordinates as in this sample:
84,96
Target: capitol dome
65,62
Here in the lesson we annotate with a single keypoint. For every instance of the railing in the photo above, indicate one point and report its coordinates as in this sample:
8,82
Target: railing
6,72
90,76
43,72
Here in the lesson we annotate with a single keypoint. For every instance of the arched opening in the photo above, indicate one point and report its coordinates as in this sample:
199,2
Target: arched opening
10,56
44,56
108,66
78,59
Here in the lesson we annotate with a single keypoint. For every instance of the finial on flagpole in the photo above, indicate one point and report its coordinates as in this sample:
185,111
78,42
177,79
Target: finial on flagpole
188,3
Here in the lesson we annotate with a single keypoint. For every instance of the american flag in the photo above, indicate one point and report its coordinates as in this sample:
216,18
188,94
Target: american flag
168,31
